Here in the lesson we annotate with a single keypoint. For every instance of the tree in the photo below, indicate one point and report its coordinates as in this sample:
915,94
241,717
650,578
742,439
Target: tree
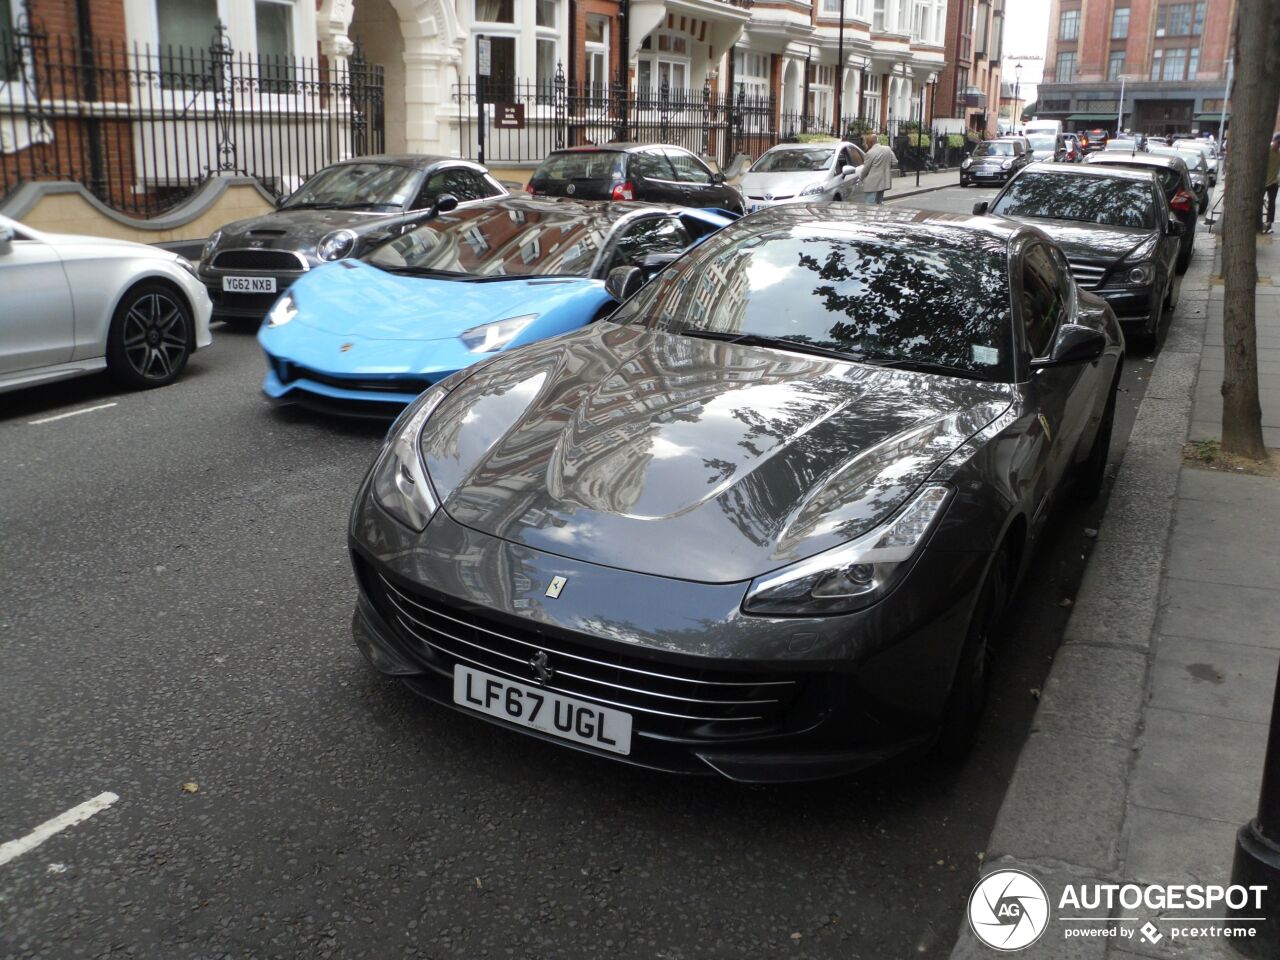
1255,95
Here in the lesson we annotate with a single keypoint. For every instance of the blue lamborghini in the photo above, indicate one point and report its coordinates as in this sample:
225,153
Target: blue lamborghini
365,336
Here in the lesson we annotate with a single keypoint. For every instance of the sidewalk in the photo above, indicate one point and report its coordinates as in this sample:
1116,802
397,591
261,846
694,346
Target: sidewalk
1145,754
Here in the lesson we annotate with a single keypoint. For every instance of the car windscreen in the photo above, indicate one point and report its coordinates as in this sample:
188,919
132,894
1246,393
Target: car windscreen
496,241
352,185
939,298
1170,179
1046,144
993,149
1107,200
581,165
792,161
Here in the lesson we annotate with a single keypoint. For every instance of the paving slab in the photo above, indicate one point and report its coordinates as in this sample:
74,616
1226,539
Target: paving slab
1222,612
1211,678
1217,542
1162,847
1207,767
1089,693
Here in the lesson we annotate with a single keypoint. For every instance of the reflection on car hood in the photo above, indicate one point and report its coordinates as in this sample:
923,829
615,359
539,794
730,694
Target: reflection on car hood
300,229
786,184
690,458
1095,242
353,299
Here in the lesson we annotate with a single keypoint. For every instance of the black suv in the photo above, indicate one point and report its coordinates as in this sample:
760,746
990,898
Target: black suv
1115,227
632,171
341,211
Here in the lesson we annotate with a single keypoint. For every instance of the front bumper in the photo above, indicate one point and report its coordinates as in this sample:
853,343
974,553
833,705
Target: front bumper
1133,306
249,306
858,688
984,175
354,397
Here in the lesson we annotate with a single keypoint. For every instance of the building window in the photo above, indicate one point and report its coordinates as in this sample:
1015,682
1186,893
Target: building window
1065,70
871,93
1156,56
1115,65
751,73
1174,20
877,16
1069,25
273,22
1120,24
664,62
1193,64
1175,64
1197,27
186,29
597,48
546,13
821,83
831,7
496,11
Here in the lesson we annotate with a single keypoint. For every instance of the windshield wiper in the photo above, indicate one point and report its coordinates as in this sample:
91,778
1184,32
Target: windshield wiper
779,343
316,205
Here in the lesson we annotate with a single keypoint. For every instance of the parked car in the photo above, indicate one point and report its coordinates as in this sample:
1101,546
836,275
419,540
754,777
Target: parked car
1075,152
1095,139
762,521
365,336
1206,147
1116,229
995,161
634,171
1197,170
809,172
1047,146
73,305
1174,180
1127,142
342,211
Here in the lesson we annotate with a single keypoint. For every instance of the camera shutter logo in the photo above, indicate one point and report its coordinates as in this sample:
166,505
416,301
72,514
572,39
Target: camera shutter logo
1008,910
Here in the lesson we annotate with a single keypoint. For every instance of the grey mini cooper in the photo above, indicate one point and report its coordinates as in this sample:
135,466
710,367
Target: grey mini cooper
761,521
340,212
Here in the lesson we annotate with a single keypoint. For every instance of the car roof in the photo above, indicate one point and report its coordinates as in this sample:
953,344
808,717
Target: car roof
897,223
1084,170
416,160
813,145
1135,159
620,147
606,212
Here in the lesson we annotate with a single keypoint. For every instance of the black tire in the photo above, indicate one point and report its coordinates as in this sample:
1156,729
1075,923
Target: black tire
151,337
1144,341
968,697
1091,474
242,324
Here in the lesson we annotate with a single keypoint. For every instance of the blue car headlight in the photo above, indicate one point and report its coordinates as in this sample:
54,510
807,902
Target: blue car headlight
492,337
854,575
400,483
285,309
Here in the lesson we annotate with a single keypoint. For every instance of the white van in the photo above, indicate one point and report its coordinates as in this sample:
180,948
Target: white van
1051,127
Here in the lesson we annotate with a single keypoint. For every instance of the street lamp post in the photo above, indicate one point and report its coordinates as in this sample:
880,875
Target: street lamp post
1226,95
804,97
1120,108
1017,100
840,75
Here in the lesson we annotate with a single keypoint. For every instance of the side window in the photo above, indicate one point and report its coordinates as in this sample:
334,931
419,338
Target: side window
650,235
1042,306
689,169
846,160
432,187
462,183
650,165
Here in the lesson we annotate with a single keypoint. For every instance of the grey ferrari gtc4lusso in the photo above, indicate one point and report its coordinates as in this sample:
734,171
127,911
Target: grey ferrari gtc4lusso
762,519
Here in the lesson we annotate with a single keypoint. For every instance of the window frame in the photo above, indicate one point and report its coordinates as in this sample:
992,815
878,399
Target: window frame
1071,17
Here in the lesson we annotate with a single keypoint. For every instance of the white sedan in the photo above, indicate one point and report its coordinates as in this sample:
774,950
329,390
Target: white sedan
72,305
817,172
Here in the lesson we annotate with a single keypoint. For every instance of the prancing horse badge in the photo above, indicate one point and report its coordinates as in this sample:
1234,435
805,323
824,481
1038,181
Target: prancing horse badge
557,585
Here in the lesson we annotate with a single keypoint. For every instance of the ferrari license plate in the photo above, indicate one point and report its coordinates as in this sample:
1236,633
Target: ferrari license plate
550,713
249,284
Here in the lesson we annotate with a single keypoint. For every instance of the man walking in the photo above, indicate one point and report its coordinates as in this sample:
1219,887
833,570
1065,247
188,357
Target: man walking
876,172
1273,182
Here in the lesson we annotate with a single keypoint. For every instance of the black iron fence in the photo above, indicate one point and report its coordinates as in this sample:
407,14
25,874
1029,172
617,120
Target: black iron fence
142,129
555,114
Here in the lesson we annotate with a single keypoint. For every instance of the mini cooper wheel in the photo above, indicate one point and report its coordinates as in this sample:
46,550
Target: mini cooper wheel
151,337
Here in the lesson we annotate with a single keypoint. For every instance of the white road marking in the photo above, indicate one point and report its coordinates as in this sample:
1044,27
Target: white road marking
73,413
16,848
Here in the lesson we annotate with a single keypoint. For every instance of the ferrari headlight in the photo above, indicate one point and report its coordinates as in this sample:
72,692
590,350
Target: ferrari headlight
400,483
210,245
813,189
853,575
285,309
491,337
336,245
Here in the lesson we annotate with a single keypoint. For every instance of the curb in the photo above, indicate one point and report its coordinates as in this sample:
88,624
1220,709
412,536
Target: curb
1063,813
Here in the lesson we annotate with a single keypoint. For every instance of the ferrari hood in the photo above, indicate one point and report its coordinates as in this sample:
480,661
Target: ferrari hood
351,299
690,458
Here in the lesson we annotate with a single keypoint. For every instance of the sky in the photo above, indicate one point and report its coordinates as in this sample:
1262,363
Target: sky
1026,25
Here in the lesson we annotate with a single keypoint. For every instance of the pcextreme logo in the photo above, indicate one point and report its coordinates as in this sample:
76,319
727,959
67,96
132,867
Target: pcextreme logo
1009,910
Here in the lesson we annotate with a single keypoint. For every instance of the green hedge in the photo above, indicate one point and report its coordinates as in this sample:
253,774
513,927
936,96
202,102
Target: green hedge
955,140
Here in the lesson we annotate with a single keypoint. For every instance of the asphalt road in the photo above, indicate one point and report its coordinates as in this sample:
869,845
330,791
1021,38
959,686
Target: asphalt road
174,606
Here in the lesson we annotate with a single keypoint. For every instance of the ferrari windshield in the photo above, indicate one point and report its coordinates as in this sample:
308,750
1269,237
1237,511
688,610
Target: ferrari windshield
1112,201
368,185
499,240
935,300
793,161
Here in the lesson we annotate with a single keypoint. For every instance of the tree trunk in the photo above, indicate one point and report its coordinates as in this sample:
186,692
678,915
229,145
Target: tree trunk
1255,95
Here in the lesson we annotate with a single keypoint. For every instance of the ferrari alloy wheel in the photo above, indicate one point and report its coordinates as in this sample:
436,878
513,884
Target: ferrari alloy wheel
151,337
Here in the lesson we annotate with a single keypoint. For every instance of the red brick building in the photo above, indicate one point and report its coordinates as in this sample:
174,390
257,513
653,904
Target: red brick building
1167,58
969,86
